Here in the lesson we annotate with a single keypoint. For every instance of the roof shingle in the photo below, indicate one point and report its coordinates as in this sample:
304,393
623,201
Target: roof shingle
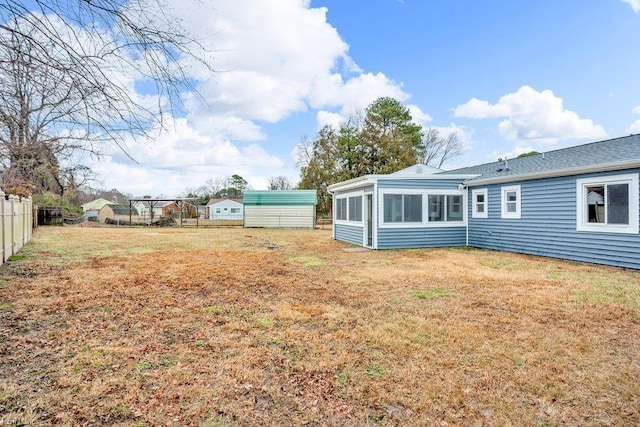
587,155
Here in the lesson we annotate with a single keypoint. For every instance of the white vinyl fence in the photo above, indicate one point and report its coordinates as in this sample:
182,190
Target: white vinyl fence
17,223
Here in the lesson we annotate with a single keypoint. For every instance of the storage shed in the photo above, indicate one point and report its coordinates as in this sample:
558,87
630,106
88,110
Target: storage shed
92,209
280,209
119,213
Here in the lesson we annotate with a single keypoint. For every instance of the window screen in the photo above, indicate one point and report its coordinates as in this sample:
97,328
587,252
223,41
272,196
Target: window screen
355,208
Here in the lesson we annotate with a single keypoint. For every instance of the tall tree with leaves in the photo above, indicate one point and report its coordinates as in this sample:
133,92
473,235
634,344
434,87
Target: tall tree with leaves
321,166
349,148
389,139
237,186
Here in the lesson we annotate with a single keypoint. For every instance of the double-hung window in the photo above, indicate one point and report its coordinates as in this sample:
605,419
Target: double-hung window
510,201
607,204
480,203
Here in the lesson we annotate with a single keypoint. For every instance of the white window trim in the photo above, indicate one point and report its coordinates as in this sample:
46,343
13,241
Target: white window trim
503,202
425,223
347,222
582,220
475,213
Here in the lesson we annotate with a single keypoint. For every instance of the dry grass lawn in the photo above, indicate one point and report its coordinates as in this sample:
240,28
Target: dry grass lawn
208,327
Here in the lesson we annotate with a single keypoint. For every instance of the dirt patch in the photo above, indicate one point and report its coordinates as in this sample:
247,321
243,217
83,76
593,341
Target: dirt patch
234,326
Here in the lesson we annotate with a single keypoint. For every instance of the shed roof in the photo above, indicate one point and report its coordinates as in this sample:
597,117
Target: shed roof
280,197
122,210
218,200
96,204
617,153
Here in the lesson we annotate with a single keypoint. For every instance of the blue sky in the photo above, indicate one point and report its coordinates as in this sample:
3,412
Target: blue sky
508,76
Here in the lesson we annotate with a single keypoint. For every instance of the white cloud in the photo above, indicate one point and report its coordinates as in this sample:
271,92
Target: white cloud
274,59
419,116
635,126
464,133
478,109
182,157
635,5
325,118
278,58
355,93
531,115
181,145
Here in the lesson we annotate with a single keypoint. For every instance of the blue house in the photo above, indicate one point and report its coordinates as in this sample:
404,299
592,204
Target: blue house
580,203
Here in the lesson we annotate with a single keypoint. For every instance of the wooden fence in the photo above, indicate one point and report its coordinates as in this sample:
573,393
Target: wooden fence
17,223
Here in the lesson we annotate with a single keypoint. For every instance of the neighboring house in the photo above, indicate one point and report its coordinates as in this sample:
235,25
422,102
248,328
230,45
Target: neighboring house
225,209
118,213
170,209
280,208
144,210
580,203
91,209
148,210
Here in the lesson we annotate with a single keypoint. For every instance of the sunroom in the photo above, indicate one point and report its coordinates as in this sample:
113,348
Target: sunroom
411,208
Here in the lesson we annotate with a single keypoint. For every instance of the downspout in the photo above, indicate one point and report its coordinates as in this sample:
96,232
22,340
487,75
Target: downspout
374,214
466,212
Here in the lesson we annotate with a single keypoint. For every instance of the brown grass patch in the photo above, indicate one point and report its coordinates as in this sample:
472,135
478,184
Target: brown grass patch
280,327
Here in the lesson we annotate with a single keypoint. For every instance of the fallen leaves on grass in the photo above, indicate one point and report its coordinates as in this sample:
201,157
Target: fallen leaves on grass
226,326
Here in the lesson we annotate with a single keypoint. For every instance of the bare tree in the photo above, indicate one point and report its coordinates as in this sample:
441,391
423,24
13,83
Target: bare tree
435,150
68,70
34,99
281,183
216,186
304,152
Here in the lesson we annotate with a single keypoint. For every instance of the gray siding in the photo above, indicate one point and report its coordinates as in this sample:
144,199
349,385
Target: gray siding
548,225
349,233
421,237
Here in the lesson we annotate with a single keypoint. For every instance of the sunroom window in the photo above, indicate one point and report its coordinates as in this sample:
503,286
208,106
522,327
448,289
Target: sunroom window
445,208
402,208
349,208
341,209
355,208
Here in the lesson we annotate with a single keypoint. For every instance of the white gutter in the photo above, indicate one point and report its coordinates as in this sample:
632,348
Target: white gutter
625,164
373,179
